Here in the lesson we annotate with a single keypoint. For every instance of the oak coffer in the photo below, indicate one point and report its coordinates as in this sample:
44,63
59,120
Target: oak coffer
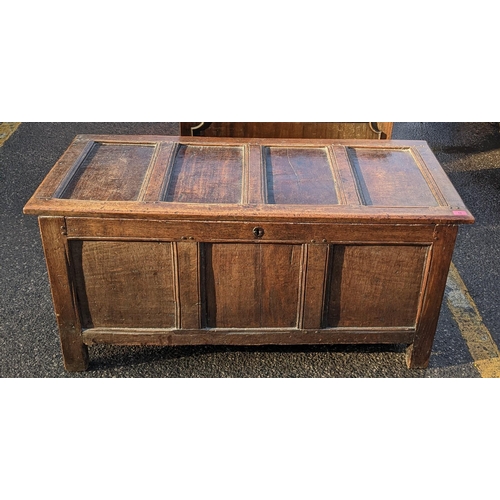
153,240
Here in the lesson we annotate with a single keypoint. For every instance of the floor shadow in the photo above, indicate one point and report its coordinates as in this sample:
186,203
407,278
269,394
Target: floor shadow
112,357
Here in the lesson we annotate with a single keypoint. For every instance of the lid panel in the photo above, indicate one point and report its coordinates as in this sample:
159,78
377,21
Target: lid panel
390,178
206,174
113,172
200,178
299,176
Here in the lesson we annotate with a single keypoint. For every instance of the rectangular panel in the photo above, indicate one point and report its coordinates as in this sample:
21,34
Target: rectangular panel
113,172
375,286
390,177
252,285
301,176
206,174
124,283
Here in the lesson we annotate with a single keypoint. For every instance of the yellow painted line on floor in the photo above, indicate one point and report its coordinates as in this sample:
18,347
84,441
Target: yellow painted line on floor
482,347
6,130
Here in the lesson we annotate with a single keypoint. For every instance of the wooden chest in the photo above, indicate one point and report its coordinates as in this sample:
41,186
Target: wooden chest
154,240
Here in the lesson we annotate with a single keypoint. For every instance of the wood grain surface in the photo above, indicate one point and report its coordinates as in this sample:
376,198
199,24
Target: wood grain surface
252,285
110,172
124,283
390,177
206,174
299,176
375,285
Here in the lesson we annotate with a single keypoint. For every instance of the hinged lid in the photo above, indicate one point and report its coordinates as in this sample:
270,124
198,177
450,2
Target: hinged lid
244,179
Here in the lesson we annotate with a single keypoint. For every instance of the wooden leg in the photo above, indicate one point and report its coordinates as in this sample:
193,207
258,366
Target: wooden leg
418,353
75,352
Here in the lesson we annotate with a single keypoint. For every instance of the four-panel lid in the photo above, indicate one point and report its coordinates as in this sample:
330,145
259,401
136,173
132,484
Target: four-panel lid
245,179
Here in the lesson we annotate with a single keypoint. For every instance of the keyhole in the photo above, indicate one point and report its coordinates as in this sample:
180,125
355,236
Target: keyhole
258,232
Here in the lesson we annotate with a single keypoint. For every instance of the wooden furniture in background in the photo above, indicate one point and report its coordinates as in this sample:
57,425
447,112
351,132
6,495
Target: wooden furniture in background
292,130
154,240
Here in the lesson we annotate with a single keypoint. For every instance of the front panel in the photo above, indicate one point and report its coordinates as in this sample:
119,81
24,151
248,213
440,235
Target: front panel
195,285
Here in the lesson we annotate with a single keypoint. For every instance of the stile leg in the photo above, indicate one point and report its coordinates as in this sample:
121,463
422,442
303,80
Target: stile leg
75,352
418,353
